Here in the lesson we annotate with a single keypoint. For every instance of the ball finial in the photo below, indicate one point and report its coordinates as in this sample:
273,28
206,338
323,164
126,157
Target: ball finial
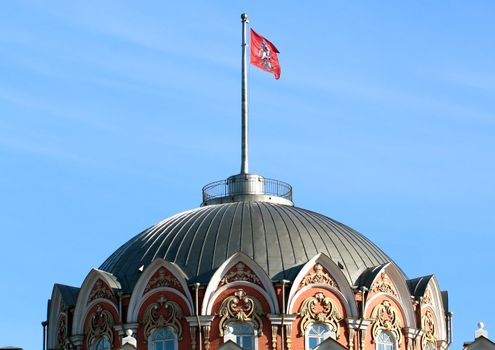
481,325
129,332
244,17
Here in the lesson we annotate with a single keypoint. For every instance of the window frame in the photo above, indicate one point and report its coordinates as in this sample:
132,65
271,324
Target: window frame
393,343
150,340
228,335
330,333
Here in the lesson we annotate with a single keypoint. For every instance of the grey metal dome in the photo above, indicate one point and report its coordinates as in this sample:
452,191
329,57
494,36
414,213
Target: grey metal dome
280,238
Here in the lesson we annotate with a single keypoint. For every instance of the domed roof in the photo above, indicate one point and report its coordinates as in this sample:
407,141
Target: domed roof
280,238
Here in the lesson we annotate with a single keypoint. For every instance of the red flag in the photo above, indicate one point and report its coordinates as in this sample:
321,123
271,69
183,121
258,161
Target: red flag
264,54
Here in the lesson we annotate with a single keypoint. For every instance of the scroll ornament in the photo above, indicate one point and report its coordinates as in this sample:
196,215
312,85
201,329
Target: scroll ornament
162,279
241,273
386,318
100,326
242,308
428,327
163,313
319,309
100,291
427,299
384,286
319,277
61,330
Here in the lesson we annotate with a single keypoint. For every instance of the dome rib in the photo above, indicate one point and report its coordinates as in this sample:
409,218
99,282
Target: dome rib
279,238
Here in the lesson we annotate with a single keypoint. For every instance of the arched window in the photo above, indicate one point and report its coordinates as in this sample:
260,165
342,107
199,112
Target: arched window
385,341
316,333
241,333
163,339
102,344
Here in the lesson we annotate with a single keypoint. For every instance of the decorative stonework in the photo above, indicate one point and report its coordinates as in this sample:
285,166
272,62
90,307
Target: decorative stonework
162,278
386,318
242,308
320,276
61,330
100,291
384,285
240,272
428,328
427,299
100,325
206,332
320,309
274,336
163,313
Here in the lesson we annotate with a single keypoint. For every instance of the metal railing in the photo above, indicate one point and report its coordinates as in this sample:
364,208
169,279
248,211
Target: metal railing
224,188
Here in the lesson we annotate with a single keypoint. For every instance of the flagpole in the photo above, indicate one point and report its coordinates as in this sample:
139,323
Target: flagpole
244,107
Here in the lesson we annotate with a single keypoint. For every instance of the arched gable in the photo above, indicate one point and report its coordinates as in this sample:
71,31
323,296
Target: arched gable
160,275
239,270
56,309
432,300
97,287
400,294
329,277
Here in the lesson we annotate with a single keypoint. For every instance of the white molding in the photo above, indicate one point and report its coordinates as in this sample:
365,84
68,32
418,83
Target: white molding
344,291
212,289
137,297
53,318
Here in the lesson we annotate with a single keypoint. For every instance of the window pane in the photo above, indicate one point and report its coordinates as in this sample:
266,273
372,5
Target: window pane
243,333
313,342
103,344
247,343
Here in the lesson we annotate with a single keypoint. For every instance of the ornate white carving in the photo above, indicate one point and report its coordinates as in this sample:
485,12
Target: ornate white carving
384,285
428,328
386,318
243,308
61,330
320,276
100,325
100,291
162,279
321,309
240,274
427,299
163,313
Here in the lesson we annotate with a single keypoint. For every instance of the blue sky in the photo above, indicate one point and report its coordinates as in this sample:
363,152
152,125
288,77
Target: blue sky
114,114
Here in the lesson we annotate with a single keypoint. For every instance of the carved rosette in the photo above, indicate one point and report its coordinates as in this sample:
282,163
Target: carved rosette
61,330
386,318
100,291
240,272
384,285
100,325
163,313
428,328
319,276
243,308
427,299
162,279
319,309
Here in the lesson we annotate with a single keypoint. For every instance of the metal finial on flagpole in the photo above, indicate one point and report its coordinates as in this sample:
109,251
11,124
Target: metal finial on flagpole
244,107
